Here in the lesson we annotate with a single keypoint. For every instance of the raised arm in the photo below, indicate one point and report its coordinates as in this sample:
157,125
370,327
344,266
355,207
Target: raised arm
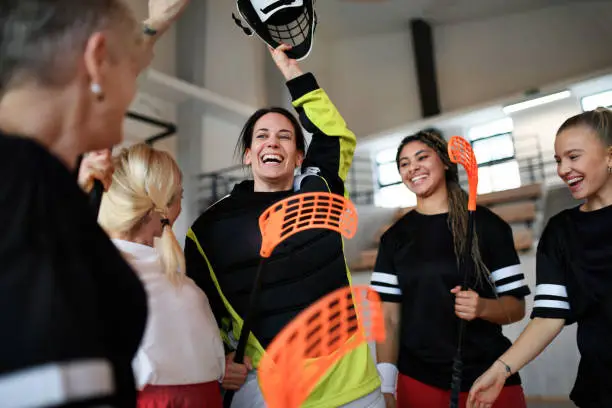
162,14
331,150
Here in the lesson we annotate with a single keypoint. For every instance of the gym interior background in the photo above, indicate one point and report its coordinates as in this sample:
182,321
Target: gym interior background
504,73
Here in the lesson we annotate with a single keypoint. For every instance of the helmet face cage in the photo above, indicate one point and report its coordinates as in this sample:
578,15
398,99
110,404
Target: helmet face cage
279,22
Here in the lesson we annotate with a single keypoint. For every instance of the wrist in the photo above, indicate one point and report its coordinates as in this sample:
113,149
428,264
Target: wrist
503,368
481,305
388,377
293,73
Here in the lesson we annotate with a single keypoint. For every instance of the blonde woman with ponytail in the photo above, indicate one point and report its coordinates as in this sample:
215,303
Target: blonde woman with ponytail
181,358
419,282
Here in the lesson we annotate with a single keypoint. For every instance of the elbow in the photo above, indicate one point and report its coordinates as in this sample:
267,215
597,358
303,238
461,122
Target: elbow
518,312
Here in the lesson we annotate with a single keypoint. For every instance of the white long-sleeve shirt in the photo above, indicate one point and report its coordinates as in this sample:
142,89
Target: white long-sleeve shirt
181,344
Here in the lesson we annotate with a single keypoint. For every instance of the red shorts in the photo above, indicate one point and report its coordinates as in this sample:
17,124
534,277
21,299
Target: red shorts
414,394
204,395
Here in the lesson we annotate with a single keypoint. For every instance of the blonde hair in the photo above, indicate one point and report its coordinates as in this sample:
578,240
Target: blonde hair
145,180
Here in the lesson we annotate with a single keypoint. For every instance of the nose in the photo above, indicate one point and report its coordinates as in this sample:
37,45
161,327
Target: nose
563,169
413,167
273,142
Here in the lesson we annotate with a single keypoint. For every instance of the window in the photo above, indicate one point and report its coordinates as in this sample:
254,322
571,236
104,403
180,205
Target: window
494,150
603,99
391,191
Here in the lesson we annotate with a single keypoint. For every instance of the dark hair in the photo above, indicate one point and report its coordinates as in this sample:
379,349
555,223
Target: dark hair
246,134
599,120
40,40
457,199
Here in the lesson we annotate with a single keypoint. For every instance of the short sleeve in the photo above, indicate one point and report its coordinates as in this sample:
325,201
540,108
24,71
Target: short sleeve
501,258
551,300
384,279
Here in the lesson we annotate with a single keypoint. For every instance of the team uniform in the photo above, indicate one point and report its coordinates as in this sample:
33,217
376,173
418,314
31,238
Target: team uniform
574,283
73,311
181,358
222,252
416,266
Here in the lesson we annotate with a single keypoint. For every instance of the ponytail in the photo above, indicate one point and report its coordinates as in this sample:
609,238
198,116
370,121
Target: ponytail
171,254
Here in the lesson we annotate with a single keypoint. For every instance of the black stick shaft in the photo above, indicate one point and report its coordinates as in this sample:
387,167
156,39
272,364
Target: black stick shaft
95,196
246,329
467,264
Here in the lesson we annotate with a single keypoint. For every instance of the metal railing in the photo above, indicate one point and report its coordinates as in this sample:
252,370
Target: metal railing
535,166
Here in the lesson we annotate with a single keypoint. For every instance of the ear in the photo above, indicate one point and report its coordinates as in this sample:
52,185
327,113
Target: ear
299,160
247,157
609,156
96,58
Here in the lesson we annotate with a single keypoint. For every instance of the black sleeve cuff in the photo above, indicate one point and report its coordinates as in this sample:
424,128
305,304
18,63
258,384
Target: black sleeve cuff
302,85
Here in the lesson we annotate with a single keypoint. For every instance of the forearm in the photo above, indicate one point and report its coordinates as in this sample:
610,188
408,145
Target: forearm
387,351
538,334
505,310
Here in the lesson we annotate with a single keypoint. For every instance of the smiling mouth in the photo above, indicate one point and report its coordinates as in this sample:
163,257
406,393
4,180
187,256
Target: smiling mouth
574,181
272,159
418,179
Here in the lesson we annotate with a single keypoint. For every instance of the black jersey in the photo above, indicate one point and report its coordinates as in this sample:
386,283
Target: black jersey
574,282
417,267
222,252
73,312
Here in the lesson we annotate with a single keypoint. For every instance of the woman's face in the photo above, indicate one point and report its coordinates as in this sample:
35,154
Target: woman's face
422,170
273,155
582,161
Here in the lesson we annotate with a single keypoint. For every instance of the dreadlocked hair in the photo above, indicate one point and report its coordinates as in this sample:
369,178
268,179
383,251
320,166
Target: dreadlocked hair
457,202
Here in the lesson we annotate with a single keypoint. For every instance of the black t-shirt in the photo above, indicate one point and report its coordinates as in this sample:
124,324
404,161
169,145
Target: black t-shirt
574,282
73,312
416,266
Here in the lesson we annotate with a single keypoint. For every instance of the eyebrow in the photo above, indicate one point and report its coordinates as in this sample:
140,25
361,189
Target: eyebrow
416,154
267,130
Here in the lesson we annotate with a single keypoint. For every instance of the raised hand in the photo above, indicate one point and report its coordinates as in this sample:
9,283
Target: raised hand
287,66
162,13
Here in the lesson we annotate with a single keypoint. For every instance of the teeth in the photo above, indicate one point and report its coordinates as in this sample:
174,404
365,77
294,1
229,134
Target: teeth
275,157
574,180
418,178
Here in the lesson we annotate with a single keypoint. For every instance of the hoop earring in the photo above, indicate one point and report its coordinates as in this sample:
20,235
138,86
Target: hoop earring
96,89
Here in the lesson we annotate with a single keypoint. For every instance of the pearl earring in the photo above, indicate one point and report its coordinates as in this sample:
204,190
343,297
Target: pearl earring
96,89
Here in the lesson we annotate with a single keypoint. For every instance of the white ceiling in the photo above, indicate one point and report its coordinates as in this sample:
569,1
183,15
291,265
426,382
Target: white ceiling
343,18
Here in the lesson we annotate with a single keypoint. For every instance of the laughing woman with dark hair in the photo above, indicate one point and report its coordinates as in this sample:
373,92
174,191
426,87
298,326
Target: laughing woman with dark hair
222,249
73,311
419,283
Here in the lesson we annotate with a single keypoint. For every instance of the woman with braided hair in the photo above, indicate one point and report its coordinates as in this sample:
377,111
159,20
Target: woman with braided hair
417,277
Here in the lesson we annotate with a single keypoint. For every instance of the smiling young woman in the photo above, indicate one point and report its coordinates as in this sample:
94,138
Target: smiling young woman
574,260
417,277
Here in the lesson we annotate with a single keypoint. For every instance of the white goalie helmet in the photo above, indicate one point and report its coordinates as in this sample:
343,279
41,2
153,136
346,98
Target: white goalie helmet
290,22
